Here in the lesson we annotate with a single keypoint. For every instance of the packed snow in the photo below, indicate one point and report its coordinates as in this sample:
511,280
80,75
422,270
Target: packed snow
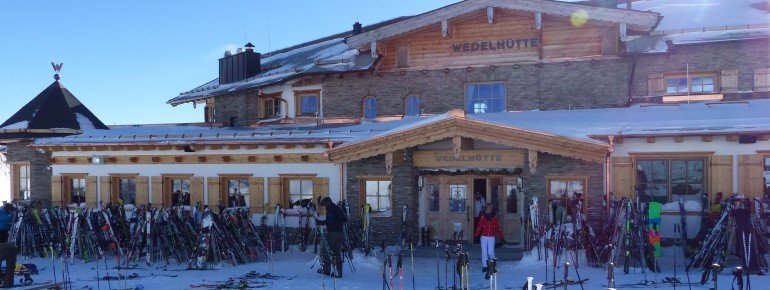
695,14
298,271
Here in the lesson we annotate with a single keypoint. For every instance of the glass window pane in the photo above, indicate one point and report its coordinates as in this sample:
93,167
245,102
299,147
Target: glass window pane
511,199
558,189
371,187
307,188
295,187
457,198
433,197
384,204
384,187
659,171
678,171
695,171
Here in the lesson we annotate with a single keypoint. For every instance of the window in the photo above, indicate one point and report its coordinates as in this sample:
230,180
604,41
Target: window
664,180
21,181
766,177
485,98
237,192
434,200
127,190
77,188
563,191
402,57
693,84
308,104
511,198
377,192
271,107
412,105
458,197
177,191
370,107
300,191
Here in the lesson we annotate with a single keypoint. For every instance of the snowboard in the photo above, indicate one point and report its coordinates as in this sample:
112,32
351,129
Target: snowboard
653,226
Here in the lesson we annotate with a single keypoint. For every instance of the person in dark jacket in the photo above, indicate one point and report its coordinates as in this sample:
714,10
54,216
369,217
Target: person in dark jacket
334,222
6,217
488,229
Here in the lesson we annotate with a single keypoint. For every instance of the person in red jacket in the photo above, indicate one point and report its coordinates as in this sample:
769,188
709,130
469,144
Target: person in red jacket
488,229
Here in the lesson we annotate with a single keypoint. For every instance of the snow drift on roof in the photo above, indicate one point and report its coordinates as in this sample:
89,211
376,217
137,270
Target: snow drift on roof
694,14
323,57
54,108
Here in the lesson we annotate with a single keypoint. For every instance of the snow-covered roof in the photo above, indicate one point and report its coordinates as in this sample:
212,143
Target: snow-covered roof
177,134
641,120
701,21
700,14
55,110
324,57
744,117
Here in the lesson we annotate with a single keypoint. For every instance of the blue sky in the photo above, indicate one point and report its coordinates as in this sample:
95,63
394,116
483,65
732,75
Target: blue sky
125,59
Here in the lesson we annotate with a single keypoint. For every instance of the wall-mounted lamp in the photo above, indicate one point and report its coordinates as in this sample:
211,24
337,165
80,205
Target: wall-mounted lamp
97,159
420,182
519,182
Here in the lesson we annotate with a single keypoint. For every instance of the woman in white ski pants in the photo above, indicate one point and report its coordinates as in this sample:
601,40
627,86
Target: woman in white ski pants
488,229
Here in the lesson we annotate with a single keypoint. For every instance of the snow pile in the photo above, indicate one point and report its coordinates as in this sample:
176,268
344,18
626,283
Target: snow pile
695,14
689,206
84,122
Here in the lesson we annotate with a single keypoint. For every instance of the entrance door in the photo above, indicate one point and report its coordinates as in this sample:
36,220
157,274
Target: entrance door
458,217
448,208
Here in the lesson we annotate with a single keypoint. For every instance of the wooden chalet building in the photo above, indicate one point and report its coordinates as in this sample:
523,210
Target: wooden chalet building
511,99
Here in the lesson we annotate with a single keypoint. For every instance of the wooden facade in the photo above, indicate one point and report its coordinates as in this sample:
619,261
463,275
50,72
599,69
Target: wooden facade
513,37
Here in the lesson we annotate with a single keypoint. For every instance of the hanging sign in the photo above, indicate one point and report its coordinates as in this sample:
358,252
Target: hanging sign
470,158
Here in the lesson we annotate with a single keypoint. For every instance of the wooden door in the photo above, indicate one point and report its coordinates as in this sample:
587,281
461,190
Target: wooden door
458,218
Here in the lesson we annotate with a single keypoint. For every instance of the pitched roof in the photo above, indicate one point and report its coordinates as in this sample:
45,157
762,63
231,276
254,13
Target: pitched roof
324,55
54,111
637,20
701,21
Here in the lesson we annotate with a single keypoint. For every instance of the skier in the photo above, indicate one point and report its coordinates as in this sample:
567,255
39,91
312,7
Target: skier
488,229
335,219
6,216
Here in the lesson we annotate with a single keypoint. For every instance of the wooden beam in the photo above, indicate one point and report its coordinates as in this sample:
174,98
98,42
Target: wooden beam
289,146
679,139
707,138
731,138
193,159
650,139
763,137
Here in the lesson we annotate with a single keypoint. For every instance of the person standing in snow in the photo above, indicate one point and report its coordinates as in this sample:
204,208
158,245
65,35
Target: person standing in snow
335,219
488,229
6,216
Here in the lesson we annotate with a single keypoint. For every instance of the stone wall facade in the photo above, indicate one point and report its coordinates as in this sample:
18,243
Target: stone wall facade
244,106
40,173
556,165
744,56
404,191
546,86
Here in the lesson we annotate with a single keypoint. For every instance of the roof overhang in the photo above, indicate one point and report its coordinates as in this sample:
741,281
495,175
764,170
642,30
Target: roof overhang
458,126
635,20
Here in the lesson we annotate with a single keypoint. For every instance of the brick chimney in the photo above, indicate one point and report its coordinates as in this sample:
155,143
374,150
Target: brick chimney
239,66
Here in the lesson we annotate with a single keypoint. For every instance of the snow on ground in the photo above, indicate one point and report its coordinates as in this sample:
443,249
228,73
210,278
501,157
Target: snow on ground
296,267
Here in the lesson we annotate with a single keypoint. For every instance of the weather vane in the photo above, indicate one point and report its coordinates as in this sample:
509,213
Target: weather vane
57,69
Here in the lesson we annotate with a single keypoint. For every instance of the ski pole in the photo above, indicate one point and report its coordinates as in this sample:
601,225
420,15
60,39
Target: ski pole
411,254
715,267
566,272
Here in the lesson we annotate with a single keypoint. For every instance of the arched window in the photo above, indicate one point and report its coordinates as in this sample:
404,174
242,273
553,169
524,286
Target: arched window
412,105
370,108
